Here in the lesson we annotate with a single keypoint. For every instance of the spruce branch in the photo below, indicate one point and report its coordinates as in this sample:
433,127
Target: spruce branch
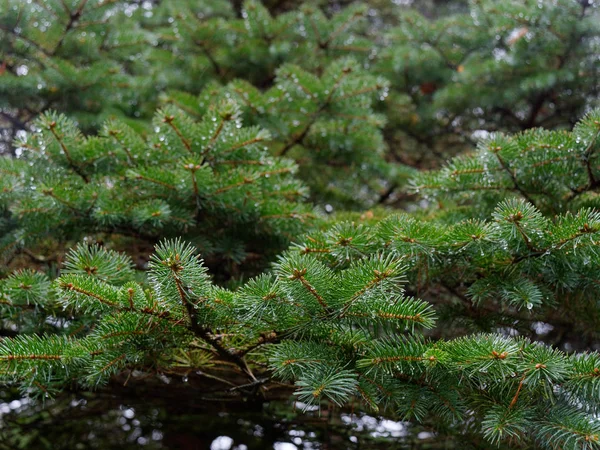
169,119
512,177
75,167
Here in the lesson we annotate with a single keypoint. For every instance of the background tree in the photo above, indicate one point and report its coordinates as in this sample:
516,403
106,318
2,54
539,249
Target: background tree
542,56
210,179
506,66
86,58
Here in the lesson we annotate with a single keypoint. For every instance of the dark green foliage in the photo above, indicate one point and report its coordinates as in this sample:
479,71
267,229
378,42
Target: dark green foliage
327,123
446,78
206,37
225,136
75,56
555,170
364,341
212,175
522,259
500,66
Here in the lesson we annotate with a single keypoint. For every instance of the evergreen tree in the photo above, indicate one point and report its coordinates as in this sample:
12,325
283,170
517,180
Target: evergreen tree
255,45
86,58
210,179
157,218
500,66
87,64
335,317
557,171
302,76
327,124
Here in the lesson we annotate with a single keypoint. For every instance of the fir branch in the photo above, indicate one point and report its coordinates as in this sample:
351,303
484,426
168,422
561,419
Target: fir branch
169,119
72,165
298,274
512,176
587,154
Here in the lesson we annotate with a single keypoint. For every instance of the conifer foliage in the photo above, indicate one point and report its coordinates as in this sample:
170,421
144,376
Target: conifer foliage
338,333
163,208
75,56
327,123
498,66
213,175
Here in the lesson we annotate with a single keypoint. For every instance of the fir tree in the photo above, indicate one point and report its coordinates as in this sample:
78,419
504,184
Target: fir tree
137,243
500,66
356,312
86,58
557,171
327,123
205,35
89,65
212,175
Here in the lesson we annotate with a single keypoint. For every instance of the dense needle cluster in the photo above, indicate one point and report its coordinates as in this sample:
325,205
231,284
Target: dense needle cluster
191,188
